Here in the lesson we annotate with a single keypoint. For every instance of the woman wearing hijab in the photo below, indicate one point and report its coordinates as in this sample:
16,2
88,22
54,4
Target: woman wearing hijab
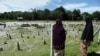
87,36
59,37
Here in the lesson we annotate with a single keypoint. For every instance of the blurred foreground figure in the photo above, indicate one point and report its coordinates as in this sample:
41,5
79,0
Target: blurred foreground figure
87,36
59,37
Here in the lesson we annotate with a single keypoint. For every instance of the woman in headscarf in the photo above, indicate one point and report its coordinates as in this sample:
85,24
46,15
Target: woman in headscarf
59,37
87,36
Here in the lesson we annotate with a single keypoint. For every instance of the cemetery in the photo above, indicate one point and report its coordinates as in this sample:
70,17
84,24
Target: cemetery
25,39
74,32
28,38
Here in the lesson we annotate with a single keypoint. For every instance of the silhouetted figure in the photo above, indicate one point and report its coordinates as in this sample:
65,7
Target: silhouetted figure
87,36
59,37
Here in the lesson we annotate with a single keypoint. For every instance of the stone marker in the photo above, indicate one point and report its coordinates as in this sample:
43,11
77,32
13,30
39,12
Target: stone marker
18,46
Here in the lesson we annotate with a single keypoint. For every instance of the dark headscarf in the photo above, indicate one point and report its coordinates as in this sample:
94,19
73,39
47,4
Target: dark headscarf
58,35
88,31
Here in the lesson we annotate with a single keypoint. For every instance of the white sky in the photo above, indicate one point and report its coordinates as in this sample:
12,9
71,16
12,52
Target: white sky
26,5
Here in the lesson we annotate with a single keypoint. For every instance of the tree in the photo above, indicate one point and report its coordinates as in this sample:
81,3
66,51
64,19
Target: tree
86,15
76,14
59,12
46,14
96,14
68,15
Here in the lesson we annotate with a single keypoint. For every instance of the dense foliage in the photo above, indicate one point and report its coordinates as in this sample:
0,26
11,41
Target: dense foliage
46,14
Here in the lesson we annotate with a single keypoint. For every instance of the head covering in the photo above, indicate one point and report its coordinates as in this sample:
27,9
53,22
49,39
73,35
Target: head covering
58,24
88,21
58,35
88,30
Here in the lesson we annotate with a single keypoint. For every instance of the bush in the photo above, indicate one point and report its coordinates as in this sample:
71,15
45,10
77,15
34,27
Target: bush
45,42
5,42
33,36
25,25
27,37
1,49
37,26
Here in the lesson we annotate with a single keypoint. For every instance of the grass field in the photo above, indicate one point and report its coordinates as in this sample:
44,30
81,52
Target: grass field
35,40
31,41
72,47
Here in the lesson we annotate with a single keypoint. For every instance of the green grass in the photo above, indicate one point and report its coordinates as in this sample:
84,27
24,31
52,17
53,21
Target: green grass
73,49
29,47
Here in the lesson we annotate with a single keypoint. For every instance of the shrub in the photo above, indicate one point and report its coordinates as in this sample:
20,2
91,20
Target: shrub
33,36
45,42
27,37
37,26
25,25
1,49
5,42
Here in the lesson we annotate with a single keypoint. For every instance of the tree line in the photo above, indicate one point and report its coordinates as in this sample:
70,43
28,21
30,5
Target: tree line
47,14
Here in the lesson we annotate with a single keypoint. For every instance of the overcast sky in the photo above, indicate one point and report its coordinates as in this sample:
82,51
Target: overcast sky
25,5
